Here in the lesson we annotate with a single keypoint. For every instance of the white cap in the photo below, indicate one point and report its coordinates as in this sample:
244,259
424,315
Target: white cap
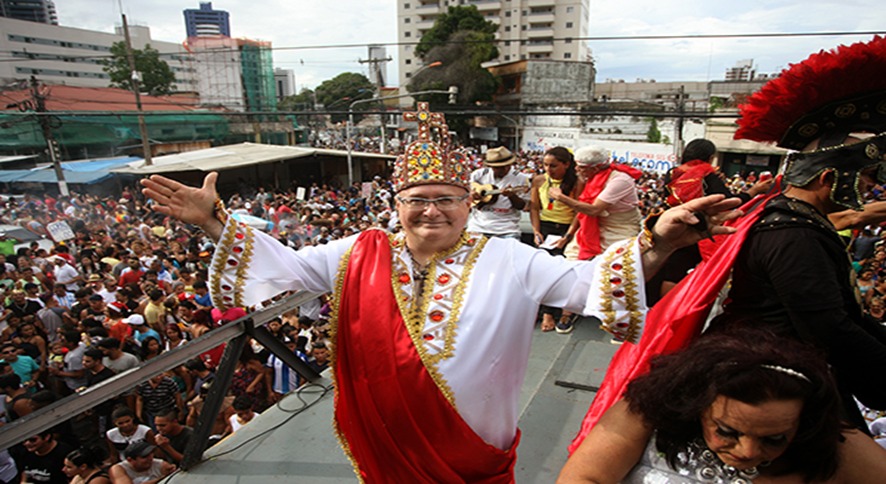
135,320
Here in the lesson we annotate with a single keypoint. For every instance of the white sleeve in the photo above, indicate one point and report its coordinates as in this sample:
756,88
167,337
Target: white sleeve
249,267
617,294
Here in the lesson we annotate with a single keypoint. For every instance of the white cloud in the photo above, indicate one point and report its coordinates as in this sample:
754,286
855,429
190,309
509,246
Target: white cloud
290,23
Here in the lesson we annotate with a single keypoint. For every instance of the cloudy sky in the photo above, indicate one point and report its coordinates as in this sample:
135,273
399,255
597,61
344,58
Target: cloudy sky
293,25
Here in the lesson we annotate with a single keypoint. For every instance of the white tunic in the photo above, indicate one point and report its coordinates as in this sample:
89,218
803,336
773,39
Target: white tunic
493,323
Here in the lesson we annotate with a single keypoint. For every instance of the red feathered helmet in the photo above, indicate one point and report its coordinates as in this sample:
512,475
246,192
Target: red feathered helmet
827,97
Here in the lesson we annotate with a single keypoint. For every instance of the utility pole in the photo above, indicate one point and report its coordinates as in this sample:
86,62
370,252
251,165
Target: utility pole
134,82
678,136
375,67
40,107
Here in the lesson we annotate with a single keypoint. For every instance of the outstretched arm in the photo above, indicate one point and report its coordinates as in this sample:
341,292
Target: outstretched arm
677,228
189,204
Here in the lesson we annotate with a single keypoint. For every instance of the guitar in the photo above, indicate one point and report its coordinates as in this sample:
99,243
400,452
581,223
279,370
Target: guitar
487,194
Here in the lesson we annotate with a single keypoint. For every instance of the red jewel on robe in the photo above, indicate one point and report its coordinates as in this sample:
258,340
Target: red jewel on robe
239,236
404,278
444,278
449,261
615,280
616,267
232,262
618,293
226,287
438,297
622,325
237,249
428,337
436,316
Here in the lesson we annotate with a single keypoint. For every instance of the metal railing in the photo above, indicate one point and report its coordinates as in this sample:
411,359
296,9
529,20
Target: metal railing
235,334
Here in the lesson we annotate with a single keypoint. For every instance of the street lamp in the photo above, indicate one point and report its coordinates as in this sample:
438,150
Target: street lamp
452,92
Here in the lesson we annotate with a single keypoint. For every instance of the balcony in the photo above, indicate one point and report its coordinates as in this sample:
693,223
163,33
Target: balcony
486,5
541,32
541,3
541,17
424,8
425,23
540,48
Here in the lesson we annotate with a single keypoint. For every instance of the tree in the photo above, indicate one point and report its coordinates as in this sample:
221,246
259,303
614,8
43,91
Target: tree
461,40
458,19
340,91
653,135
156,76
303,101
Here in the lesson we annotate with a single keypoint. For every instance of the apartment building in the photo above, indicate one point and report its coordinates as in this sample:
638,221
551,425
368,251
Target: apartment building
72,56
527,29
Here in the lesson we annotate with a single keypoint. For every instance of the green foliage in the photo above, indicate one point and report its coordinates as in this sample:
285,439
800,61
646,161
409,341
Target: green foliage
716,103
303,101
653,135
156,76
458,19
338,93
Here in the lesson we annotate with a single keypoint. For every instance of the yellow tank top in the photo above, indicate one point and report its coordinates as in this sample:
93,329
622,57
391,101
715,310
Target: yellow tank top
552,210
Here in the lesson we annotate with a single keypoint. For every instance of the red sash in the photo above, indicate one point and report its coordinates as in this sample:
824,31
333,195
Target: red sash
675,320
588,235
395,422
687,181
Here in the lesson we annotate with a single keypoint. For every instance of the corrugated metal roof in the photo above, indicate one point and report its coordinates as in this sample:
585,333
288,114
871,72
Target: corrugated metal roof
232,156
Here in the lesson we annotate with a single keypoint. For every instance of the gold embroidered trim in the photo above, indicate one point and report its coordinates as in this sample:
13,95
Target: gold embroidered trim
627,284
333,338
231,295
416,315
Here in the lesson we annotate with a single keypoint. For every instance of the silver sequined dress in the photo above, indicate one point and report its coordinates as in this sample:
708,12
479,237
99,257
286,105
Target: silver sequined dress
695,464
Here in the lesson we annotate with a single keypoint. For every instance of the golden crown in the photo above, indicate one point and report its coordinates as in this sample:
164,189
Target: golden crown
426,161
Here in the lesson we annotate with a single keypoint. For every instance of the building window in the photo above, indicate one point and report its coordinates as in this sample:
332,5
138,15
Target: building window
523,27
569,9
408,75
407,34
507,57
507,43
507,29
405,6
568,40
565,56
568,25
407,20
508,13
408,61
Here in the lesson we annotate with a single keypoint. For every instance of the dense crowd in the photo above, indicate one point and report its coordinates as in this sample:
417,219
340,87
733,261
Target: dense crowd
131,285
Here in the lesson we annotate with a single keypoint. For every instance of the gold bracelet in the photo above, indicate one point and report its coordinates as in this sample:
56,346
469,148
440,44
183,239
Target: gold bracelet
647,238
220,212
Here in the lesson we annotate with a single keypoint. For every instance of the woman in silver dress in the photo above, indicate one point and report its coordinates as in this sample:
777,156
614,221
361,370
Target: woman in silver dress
738,406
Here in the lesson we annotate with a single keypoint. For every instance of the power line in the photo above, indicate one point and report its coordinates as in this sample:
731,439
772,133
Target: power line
599,38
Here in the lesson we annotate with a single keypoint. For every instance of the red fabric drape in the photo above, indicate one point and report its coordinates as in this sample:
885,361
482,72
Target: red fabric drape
397,424
675,320
687,181
588,234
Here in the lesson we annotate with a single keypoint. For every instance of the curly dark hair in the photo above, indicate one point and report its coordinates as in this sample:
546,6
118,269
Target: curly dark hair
736,363
563,155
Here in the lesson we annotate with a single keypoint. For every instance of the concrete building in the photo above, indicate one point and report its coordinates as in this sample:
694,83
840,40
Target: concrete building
742,71
71,56
206,22
237,74
284,81
42,11
527,28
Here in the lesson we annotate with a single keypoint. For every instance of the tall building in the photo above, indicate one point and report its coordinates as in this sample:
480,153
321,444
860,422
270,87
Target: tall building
71,56
743,71
284,80
526,28
237,74
42,11
206,22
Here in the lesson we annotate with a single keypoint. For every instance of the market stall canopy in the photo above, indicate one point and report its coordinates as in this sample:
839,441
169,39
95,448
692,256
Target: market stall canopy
232,156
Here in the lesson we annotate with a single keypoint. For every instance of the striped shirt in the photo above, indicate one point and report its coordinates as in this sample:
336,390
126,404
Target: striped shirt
161,397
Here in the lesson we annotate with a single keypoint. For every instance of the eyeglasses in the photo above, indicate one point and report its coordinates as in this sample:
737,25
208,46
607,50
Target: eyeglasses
442,203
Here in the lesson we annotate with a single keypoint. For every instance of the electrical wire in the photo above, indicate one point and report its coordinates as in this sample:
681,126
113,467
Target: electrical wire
596,38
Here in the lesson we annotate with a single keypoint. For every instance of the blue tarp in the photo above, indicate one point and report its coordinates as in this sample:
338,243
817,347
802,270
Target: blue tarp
48,176
104,164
